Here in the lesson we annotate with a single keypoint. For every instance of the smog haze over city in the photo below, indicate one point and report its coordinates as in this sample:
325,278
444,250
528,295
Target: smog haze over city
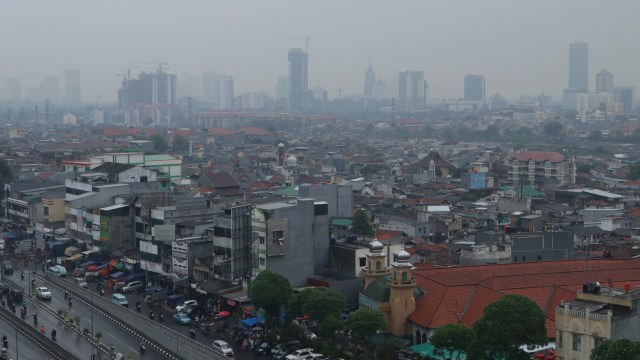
520,46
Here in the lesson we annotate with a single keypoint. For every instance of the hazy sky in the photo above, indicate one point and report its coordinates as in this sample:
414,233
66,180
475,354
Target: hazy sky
520,46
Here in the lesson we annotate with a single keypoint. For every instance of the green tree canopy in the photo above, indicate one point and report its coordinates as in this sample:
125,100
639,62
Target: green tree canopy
159,143
595,135
552,129
363,323
269,291
454,338
180,142
360,224
622,349
584,168
318,302
634,171
507,324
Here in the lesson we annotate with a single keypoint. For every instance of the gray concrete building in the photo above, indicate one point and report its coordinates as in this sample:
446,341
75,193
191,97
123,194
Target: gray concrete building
339,198
292,238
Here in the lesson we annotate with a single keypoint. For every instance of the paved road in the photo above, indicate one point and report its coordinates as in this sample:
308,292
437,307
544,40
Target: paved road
124,342
23,349
113,334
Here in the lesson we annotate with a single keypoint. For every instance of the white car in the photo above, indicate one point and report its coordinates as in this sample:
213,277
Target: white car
58,270
81,282
186,304
221,347
43,293
299,354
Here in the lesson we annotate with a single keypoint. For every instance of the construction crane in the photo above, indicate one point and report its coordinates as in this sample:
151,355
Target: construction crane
306,42
162,66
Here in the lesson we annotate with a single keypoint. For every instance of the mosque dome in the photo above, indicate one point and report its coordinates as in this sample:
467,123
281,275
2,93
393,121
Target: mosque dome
403,256
376,246
291,161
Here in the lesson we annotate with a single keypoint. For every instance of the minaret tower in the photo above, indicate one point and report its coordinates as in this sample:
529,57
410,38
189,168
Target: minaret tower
402,302
281,151
376,263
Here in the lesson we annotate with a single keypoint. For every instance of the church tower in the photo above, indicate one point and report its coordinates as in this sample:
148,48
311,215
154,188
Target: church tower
376,263
402,301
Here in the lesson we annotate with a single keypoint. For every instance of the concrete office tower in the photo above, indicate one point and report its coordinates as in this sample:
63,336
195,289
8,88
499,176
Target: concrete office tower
625,95
72,87
149,88
369,81
218,90
604,81
50,88
12,90
298,79
474,88
579,66
282,88
411,91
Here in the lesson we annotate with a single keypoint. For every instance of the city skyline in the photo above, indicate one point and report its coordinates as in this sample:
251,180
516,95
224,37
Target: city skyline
435,37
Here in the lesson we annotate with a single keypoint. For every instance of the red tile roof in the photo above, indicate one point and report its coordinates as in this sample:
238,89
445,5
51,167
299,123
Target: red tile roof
116,131
385,235
546,283
184,132
220,131
255,131
540,156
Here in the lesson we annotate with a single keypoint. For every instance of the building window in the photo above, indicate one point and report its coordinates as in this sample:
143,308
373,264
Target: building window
363,261
515,259
277,236
597,340
261,240
404,276
262,262
577,342
378,265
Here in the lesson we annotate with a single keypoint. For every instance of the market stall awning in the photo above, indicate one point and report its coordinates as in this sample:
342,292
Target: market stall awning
251,322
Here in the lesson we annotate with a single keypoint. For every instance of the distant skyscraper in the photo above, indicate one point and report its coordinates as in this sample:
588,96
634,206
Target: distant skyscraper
218,90
474,88
50,88
411,90
579,66
604,81
298,79
72,86
12,89
369,81
625,95
282,88
149,88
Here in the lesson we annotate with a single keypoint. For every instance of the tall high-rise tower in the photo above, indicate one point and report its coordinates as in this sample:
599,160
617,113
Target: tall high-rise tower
579,66
149,88
298,79
72,86
218,89
474,88
411,90
369,81
604,81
